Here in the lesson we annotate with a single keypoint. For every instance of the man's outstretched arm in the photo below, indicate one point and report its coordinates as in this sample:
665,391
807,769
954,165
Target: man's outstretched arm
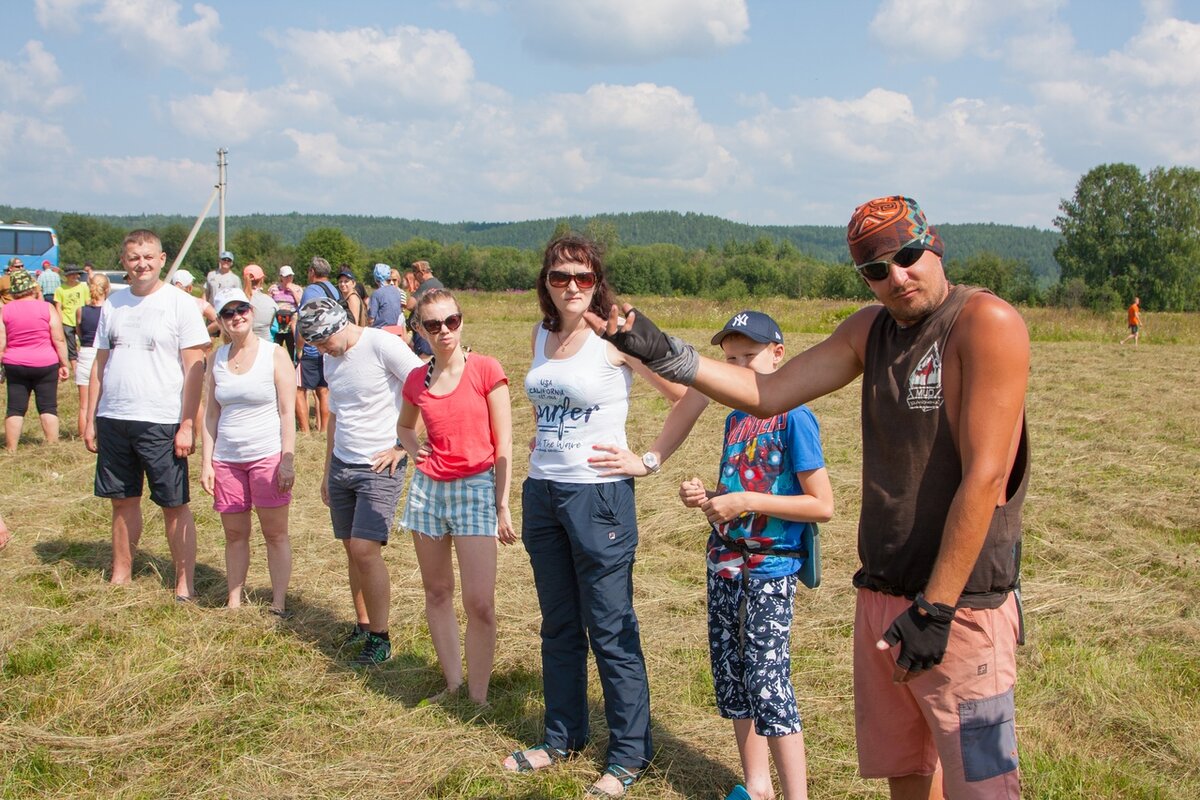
819,370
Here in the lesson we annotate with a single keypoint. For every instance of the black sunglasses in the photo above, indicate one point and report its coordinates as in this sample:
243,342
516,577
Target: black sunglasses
452,323
229,312
878,270
560,280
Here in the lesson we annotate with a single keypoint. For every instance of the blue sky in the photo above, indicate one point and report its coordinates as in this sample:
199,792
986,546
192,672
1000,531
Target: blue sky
763,111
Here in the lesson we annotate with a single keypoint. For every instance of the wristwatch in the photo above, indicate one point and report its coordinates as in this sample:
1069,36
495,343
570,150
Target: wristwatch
399,444
650,462
939,611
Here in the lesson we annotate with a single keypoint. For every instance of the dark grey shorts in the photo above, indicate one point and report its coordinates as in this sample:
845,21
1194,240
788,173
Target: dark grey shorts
362,503
72,342
127,450
312,373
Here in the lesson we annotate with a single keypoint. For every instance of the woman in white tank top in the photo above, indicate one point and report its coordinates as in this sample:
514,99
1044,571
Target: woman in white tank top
249,445
579,521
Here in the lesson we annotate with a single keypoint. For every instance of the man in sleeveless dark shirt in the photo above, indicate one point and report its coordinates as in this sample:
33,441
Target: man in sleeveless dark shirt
945,469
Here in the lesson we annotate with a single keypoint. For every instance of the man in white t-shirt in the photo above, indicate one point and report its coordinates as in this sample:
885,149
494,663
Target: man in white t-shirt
364,460
142,404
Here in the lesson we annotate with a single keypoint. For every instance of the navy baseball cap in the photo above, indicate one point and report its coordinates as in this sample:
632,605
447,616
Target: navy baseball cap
753,325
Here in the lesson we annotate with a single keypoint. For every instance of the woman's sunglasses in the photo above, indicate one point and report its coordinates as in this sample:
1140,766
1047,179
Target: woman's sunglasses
229,312
452,323
878,270
560,280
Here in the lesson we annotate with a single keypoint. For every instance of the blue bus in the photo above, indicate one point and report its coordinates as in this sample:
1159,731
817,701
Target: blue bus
33,244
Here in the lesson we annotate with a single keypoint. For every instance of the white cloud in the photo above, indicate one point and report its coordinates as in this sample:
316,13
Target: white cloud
63,15
149,179
845,151
1165,53
152,29
25,140
372,68
233,116
36,82
480,6
322,154
1140,103
947,29
643,134
630,31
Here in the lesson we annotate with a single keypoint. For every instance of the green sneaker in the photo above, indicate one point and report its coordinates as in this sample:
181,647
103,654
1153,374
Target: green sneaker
374,652
355,637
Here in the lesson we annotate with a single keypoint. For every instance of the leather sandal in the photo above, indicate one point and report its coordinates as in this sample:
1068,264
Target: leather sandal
627,777
525,765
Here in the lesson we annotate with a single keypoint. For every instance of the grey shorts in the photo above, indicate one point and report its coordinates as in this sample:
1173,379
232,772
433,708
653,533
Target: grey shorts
362,503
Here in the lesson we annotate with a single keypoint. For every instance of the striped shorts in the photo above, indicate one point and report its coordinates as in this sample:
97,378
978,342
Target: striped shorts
461,507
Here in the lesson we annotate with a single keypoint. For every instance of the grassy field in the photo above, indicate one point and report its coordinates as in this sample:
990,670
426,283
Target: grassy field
121,692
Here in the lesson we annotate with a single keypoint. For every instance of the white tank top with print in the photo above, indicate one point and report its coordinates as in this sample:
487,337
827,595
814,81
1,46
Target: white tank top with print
578,402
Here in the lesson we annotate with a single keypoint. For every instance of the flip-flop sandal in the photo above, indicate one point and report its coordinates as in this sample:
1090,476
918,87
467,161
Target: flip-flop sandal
625,776
523,763
739,793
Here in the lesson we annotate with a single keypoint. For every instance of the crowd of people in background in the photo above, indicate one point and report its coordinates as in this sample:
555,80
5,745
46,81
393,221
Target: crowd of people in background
945,464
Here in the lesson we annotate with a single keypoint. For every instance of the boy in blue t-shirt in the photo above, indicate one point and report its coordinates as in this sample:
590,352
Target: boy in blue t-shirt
772,484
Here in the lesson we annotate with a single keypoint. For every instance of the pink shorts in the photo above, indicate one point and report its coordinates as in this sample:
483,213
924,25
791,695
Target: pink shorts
239,486
958,715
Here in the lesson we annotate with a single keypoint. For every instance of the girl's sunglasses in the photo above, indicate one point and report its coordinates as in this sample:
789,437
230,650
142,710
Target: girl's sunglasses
560,280
452,323
878,270
229,312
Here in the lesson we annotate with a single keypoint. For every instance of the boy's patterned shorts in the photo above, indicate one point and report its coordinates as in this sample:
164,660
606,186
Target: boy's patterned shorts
757,684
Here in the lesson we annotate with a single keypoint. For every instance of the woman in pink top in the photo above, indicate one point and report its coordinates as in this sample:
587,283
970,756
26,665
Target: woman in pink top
460,488
286,295
33,350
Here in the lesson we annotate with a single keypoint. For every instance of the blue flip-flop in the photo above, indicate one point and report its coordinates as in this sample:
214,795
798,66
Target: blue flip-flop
739,793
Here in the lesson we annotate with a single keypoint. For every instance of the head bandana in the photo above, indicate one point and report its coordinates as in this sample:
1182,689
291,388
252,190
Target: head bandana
881,227
321,318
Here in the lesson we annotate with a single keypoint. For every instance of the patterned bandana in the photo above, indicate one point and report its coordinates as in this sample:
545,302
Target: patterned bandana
321,318
881,227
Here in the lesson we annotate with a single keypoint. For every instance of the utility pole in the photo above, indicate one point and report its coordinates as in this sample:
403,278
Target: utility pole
221,163
217,192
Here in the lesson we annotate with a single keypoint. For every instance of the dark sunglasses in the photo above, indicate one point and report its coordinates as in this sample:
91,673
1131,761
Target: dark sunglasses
229,312
878,270
452,323
560,280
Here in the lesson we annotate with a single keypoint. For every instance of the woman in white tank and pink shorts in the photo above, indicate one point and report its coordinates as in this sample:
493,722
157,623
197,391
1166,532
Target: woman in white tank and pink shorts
250,445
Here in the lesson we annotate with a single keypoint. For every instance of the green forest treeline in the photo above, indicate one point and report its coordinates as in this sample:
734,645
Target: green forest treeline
654,252
1123,233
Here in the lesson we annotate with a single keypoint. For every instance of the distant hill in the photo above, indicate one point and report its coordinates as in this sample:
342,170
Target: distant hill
691,231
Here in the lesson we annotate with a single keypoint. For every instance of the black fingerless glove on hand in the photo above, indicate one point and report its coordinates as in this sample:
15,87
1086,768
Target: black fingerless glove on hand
664,355
922,637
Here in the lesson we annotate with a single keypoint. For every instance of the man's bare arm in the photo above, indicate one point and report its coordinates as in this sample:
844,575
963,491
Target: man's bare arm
993,348
815,372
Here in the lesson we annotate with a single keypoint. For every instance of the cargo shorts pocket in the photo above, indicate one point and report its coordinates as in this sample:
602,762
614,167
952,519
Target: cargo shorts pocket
988,735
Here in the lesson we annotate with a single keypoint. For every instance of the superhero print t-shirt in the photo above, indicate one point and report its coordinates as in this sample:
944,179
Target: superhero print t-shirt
764,455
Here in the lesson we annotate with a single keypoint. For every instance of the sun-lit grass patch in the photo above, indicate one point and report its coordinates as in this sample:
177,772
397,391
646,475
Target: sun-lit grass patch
122,692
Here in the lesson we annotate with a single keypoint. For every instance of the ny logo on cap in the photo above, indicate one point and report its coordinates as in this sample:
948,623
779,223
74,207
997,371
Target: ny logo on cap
740,320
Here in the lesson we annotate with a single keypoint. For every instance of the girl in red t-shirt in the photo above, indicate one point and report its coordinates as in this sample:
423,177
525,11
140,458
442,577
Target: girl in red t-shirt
459,489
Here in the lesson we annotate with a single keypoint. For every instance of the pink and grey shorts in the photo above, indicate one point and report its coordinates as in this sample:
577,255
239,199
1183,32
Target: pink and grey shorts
958,716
